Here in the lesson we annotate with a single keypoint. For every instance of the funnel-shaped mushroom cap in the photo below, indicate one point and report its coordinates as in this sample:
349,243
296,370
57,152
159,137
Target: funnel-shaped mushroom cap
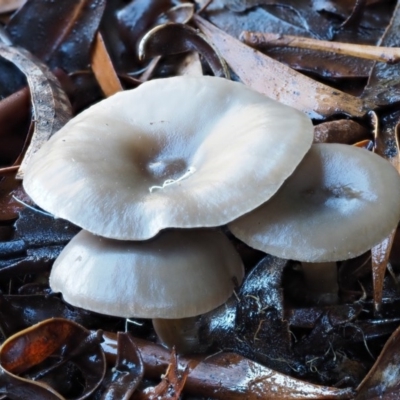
340,202
179,152
178,274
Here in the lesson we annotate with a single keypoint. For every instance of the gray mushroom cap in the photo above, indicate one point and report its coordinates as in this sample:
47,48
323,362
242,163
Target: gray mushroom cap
340,202
178,152
178,274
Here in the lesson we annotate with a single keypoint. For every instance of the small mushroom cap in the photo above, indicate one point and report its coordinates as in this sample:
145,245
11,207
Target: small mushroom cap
178,152
178,274
340,202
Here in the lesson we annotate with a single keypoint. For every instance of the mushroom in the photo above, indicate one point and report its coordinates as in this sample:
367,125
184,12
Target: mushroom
340,202
171,278
177,152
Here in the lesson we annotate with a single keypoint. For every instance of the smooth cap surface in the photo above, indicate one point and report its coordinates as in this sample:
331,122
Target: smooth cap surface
178,274
340,202
178,152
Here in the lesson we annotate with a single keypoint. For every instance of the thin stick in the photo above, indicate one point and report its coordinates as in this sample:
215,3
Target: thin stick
384,54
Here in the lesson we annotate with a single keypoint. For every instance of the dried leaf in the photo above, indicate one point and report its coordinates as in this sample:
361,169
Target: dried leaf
296,12
380,258
171,385
343,131
173,38
228,376
61,35
10,190
18,312
384,376
16,388
59,341
383,54
51,107
383,83
39,229
103,68
180,14
279,82
127,372
190,65
14,122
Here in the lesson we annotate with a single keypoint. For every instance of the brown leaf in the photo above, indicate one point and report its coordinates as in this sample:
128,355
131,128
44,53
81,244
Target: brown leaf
56,341
33,345
278,81
379,259
173,38
171,385
51,107
16,388
341,131
128,370
228,376
10,190
14,122
384,376
103,68
60,34
383,54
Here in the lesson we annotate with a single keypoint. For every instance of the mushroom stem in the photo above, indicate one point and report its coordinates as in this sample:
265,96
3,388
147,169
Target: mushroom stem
322,280
179,333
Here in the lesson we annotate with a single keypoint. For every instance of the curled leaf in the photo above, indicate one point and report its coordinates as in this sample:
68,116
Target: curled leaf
47,347
172,38
51,107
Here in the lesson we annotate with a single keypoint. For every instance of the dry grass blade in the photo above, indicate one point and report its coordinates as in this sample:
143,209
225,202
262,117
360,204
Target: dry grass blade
375,53
278,81
103,68
51,107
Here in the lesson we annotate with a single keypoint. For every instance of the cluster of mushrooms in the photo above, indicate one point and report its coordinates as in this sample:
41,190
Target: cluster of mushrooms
151,173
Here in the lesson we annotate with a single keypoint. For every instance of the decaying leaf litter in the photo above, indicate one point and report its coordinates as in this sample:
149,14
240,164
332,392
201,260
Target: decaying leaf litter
273,339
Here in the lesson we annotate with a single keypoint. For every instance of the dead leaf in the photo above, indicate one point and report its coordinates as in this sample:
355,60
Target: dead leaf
128,370
11,191
171,385
384,376
384,54
51,107
379,259
173,38
228,376
343,131
14,122
279,82
58,341
103,68
60,34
